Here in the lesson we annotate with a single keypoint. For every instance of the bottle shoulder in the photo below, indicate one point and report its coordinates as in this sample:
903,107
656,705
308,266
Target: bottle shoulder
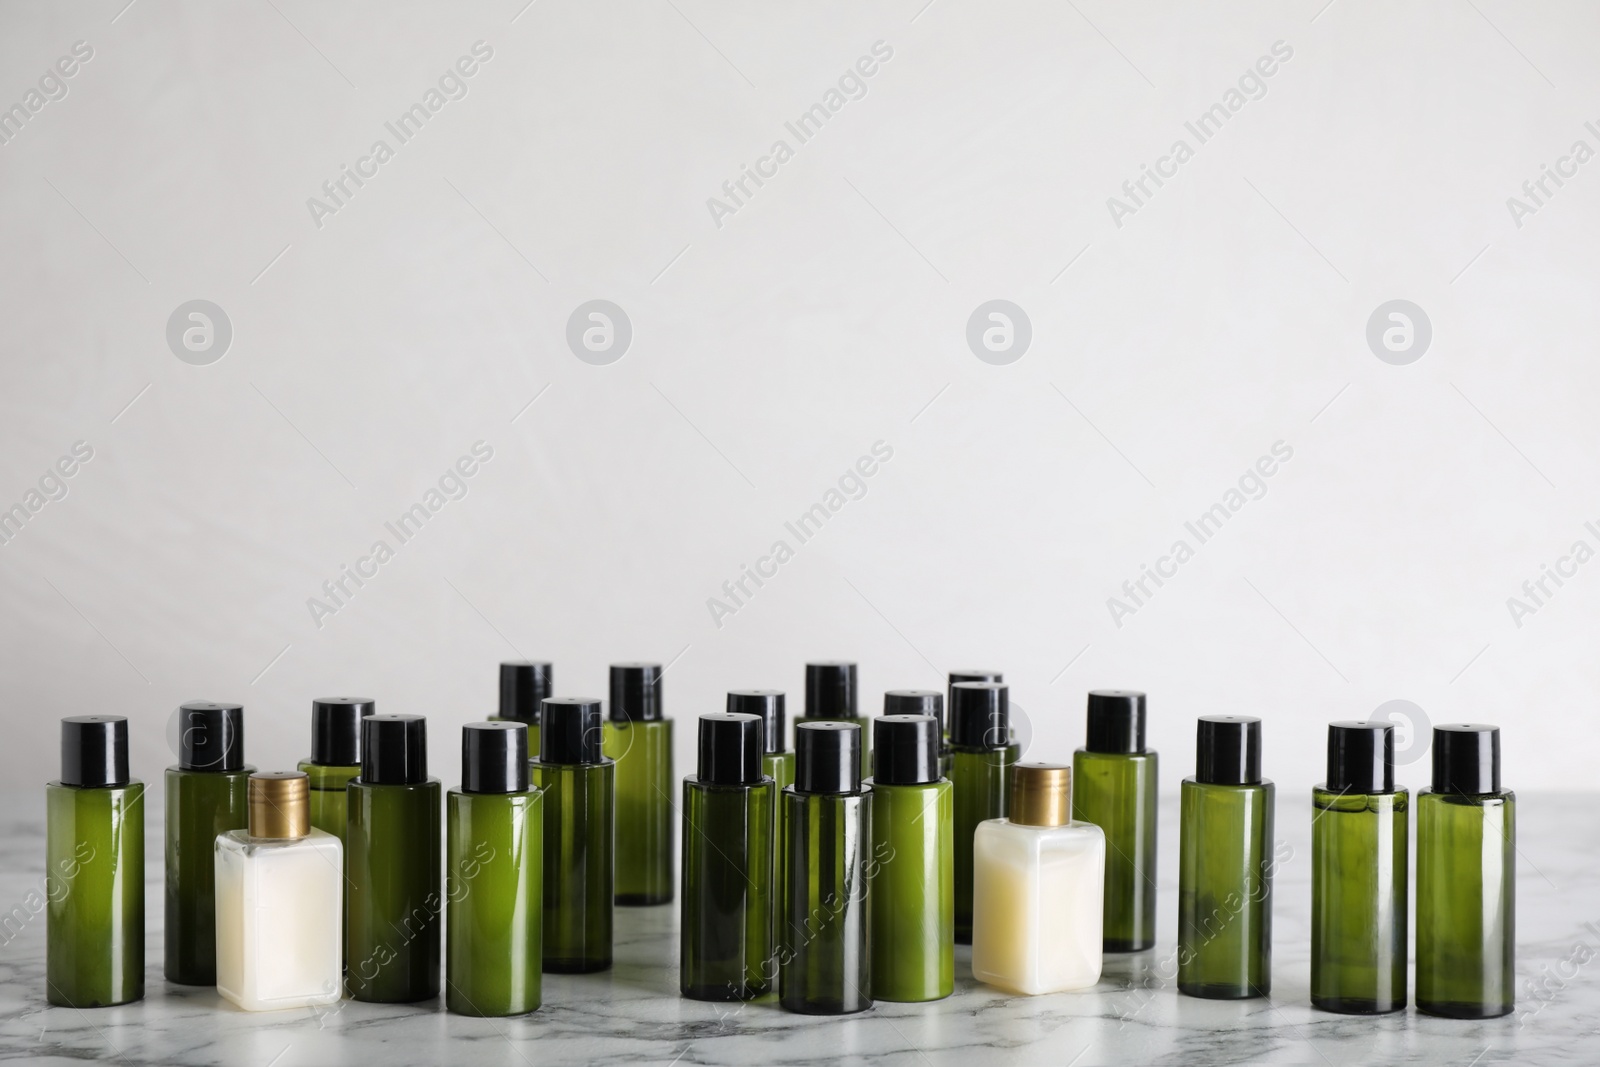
1068,831
1429,795
427,785
242,843
1265,785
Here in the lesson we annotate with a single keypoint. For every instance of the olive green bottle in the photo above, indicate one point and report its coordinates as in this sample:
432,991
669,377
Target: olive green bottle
1225,865
335,758
981,758
921,702
391,865
825,918
579,784
638,738
1114,787
207,795
94,869
726,911
777,761
956,678
494,881
913,866
523,686
831,697
1466,879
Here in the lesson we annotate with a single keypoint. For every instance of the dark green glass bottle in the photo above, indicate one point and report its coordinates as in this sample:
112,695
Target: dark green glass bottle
207,795
921,702
494,885
1225,865
638,738
777,762
391,863
825,921
335,758
912,869
94,869
1359,865
579,784
523,686
1114,787
726,913
1466,879
981,758
956,678
831,697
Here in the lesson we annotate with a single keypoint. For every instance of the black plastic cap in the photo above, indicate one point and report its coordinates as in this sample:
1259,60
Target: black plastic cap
394,749
905,749
570,730
636,692
914,702
1116,722
830,690
523,686
1466,759
1360,757
210,736
957,677
494,757
827,757
1228,750
980,714
336,729
730,749
767,704
94,751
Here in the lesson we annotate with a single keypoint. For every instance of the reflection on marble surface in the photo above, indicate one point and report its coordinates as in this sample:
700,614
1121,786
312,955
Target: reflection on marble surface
633,1014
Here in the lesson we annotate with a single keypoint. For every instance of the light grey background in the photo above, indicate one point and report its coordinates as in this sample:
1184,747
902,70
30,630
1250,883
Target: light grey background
828,313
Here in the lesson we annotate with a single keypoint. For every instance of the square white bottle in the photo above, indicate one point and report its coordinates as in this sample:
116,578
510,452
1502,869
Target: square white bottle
280,903
1038,889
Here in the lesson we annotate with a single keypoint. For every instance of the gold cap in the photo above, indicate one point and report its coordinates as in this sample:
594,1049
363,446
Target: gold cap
1041,794
280,804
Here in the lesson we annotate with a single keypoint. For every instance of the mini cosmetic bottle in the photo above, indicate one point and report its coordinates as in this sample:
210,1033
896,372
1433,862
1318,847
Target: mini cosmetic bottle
726,918
523,686
912,867
957,677
981,758
1358,875
335,758
94,869
921,702
1038,877
777,762
494,876
392,865
1114,787
1466,879
638,738
1225,865
831,697
280,902
207,795
579,784
825,922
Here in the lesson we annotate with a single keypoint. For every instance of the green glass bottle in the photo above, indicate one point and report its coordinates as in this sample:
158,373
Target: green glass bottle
921,702
335,758
1114,787
94,869
638,738
831,697
579,785
777,762
825,919
726,912
981,758
523,686
1225,865
955,679
1359,865
494,888
392,893
207,795
913,864
1466,879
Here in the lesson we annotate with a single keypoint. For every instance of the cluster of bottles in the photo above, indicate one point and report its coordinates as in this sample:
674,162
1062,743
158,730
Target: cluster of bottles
838,873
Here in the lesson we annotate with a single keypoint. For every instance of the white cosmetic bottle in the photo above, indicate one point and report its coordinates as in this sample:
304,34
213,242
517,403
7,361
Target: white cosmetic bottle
1038,889
279,902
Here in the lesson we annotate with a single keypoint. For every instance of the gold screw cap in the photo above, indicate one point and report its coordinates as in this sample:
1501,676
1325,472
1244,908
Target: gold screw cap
1041,794
280,804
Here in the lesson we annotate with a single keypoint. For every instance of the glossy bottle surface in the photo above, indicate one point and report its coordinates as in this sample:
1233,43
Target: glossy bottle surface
825,925
642,751
201,805
863,721
1359,901
980,781
393,896
494,902
578,838
1117,792
1225,866
913,892
1466,904
726,926
93,895
280,907
328,795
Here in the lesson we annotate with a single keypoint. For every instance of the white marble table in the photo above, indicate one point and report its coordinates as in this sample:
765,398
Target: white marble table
633,1014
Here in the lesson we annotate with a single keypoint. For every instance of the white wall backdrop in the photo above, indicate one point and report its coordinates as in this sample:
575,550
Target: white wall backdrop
380,332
